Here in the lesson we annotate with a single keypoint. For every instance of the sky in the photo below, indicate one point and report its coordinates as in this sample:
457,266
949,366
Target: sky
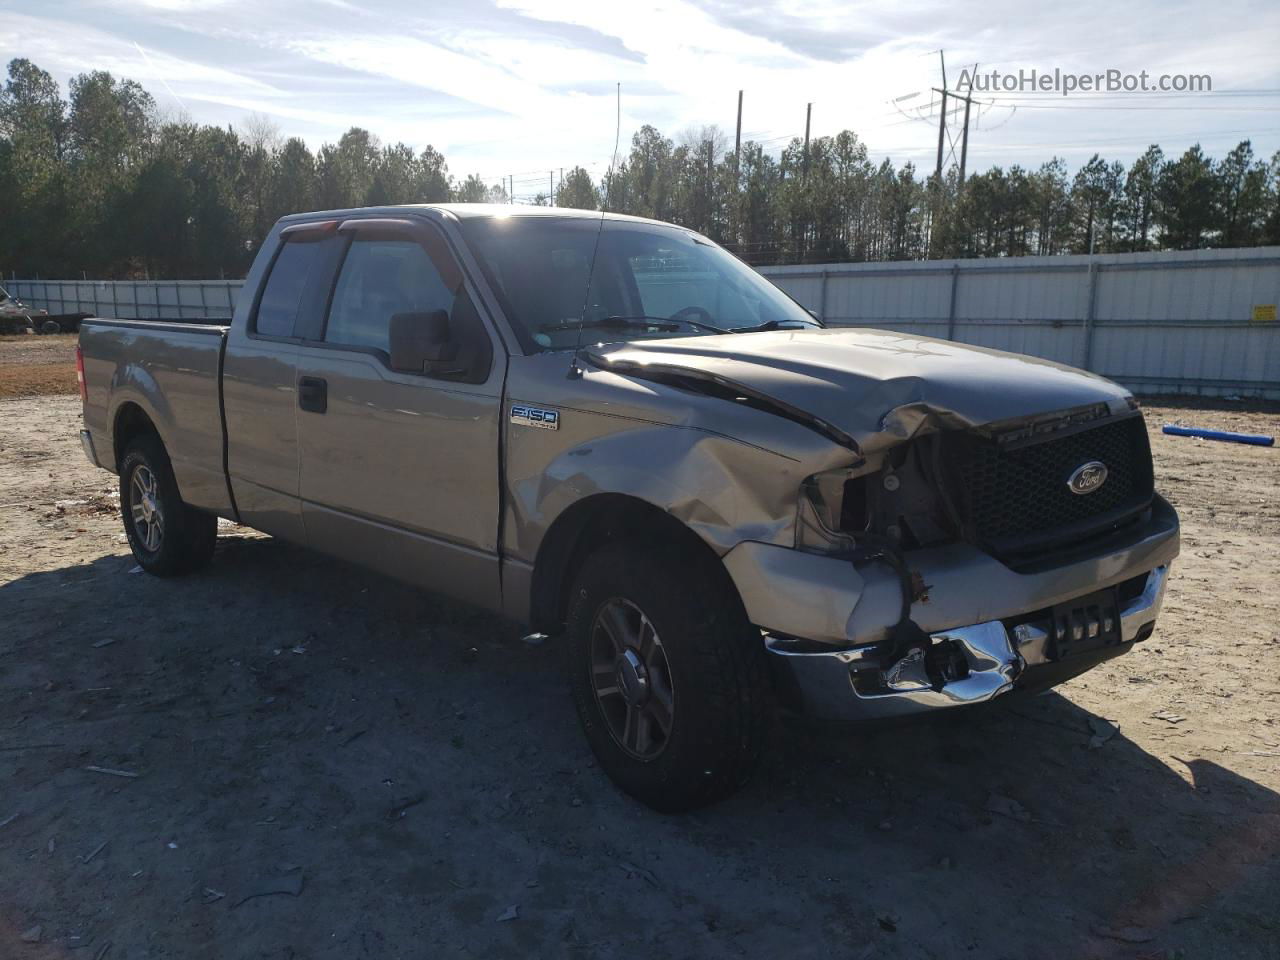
525,87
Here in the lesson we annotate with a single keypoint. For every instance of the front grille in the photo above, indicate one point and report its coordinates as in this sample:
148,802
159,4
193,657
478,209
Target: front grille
1014,498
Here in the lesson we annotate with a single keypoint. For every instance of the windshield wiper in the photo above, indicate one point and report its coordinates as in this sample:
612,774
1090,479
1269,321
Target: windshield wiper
609,323
640,322
772,325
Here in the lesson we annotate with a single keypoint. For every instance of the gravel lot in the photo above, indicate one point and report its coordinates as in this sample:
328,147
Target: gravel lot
322,763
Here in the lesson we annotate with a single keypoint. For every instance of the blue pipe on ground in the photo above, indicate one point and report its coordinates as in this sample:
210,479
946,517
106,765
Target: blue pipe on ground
1256,439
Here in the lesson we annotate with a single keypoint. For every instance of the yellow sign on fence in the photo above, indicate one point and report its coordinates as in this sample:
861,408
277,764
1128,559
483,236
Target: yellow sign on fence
1264,313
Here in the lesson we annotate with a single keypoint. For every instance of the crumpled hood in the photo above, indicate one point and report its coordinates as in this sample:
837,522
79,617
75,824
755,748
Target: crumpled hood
870,383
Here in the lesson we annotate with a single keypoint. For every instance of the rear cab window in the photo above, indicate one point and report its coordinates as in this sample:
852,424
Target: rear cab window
285,287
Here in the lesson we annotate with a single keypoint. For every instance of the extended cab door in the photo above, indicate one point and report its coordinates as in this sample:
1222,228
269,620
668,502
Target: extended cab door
399,467
259,375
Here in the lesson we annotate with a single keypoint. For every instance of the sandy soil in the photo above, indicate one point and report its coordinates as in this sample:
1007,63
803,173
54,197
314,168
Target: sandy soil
316,762
37,366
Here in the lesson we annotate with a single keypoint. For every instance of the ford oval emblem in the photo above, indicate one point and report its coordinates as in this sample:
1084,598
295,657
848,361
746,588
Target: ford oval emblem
1087,477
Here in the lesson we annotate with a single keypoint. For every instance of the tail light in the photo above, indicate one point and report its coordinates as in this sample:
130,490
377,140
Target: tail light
84,387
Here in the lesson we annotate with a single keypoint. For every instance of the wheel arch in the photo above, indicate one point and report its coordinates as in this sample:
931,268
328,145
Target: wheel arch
130,422
584,527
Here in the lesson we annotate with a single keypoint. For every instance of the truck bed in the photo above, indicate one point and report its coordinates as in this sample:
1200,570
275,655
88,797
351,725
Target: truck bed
169,372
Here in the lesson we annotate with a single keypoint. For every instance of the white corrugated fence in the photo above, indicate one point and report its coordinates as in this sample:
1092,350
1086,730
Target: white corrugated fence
1200,322
1197,322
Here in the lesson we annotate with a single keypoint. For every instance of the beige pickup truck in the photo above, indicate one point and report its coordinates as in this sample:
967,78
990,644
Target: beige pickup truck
614,431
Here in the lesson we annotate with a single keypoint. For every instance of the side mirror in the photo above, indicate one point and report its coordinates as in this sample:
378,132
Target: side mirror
422,343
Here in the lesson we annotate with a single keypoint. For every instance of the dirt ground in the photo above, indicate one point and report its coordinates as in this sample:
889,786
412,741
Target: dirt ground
37,366
285,757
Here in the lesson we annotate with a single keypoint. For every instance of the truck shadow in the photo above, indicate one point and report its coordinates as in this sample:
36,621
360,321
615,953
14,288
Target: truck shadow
420,765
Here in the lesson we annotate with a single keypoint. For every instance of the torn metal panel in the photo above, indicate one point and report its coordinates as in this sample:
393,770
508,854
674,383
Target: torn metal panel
828,600
729,472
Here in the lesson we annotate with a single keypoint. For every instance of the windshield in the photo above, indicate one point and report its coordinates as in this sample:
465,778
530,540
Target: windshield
649,281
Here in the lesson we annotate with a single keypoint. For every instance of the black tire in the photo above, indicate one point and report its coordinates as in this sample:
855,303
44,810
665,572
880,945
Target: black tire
50,326
722,703
186,536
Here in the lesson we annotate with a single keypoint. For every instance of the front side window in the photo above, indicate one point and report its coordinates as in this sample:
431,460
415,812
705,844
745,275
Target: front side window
649,280
379,279
284,289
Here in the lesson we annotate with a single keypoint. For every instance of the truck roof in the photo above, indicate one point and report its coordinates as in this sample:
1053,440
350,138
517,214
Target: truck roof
466,211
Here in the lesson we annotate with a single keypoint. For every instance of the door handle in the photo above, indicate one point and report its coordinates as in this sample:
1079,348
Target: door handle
313,394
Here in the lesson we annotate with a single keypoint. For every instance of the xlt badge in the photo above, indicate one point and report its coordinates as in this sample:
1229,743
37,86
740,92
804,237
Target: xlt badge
535,417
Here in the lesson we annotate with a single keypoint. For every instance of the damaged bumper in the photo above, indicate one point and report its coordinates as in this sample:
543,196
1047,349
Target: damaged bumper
997,629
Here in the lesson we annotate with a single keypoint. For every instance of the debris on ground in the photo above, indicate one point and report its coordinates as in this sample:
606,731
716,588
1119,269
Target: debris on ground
286,886
1126,934
33,934
400,809
632,870
1103,730
1007,807
92,853
1168,716
511,913
111,772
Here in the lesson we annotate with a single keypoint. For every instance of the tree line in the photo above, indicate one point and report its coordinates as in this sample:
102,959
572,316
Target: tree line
101,184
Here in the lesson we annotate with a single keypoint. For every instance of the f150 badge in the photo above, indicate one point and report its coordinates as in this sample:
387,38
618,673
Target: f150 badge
535,417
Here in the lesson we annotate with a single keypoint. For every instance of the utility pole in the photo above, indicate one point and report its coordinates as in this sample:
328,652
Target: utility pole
551,187
964,142
808,113
737,142
964,139
942,114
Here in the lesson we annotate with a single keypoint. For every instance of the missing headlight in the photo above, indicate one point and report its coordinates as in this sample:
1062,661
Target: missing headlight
902,499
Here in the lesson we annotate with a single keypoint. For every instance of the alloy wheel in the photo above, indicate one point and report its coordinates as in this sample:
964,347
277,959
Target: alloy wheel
631,679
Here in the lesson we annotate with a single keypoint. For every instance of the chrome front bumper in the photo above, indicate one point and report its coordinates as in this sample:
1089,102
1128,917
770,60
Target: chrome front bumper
852,685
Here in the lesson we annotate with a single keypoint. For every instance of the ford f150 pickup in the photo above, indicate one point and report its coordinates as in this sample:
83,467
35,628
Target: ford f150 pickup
616,432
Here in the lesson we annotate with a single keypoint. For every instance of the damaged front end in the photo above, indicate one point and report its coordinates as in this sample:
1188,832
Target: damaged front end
975,567
951,552
971,664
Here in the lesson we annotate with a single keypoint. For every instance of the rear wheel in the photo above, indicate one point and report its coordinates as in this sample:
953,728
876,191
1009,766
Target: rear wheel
668,677
168,537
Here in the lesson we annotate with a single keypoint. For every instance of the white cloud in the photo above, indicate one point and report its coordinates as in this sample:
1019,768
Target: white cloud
529,83
66,49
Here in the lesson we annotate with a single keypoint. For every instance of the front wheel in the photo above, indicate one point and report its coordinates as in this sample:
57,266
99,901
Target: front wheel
168,537
667,675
